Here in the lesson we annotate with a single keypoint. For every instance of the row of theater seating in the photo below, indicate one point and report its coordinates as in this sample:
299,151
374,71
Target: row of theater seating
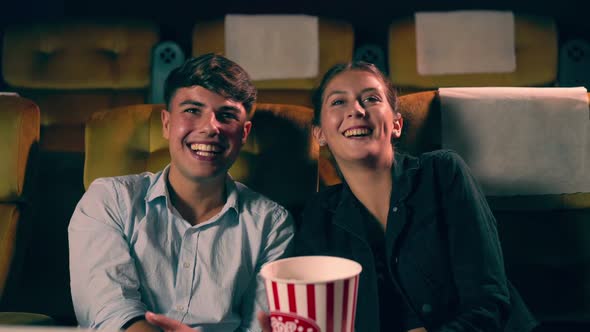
93,82
72,69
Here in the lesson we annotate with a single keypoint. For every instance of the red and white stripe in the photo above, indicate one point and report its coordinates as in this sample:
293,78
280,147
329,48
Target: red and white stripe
331,305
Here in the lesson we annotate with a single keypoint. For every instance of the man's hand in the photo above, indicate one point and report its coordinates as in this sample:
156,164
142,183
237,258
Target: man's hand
264,321
167,324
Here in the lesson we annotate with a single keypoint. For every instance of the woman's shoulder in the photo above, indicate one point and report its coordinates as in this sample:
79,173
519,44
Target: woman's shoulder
441,155
444,160
448,167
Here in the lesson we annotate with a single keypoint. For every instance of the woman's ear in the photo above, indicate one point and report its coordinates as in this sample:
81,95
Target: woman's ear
318,134
398,124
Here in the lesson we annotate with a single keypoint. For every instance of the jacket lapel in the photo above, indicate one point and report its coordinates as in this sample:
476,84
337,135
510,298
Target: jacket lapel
349,219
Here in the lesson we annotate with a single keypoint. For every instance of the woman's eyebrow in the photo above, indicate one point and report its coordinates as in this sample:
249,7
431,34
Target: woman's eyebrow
335,92
369,90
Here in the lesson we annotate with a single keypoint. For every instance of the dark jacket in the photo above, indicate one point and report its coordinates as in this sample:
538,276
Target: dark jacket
441,242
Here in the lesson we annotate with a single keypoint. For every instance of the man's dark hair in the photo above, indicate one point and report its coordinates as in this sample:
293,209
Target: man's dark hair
214,73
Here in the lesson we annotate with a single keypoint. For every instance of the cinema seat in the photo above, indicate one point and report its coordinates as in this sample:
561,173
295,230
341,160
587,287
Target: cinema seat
536,51
73,68
336,43
19,140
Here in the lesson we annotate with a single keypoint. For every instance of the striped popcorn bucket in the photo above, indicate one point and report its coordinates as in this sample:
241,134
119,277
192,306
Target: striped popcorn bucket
312,293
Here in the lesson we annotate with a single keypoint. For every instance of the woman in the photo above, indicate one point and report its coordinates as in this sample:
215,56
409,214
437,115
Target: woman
419,226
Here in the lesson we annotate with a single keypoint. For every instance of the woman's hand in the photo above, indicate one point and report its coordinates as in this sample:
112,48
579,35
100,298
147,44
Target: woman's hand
264,321
167,324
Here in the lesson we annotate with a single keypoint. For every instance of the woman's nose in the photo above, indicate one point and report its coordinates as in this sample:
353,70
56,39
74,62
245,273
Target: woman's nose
357,110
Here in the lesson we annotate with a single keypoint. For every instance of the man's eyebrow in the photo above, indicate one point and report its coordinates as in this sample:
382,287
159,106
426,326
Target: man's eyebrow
192,102
229,108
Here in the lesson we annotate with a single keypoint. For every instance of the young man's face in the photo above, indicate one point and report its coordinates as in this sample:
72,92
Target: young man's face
205,133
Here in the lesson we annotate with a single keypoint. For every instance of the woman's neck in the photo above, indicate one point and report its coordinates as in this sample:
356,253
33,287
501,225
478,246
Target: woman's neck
372,186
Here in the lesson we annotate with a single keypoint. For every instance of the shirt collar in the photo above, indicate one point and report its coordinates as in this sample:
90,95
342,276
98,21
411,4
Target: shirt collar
404,173
159,188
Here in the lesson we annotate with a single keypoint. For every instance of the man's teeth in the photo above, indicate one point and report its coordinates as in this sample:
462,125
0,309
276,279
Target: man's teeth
357,132
205,149
205,153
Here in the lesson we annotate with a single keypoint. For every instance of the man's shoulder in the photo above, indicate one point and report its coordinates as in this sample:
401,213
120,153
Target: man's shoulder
127,185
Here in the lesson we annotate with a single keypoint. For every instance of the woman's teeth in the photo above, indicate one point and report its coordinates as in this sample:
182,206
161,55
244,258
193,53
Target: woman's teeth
357,132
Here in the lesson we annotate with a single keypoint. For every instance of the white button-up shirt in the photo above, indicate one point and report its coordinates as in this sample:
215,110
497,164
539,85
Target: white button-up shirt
131,251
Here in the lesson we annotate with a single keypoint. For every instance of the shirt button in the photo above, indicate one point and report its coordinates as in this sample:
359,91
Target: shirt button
395,260
179,308
394,209
186,265
426,308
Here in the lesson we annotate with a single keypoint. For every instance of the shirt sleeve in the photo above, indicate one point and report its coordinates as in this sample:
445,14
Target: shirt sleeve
104,279
278,244
475,252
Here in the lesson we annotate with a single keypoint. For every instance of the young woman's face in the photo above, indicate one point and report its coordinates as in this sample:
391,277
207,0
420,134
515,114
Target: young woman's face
357,121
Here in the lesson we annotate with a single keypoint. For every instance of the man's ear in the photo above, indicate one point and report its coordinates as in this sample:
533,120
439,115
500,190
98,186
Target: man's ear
165,117
318,134
247,129
398,124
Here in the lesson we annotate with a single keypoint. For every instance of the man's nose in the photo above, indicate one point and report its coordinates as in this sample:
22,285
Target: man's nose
210,125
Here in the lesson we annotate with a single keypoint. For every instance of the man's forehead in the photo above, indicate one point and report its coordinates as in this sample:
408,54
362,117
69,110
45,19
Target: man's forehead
200,96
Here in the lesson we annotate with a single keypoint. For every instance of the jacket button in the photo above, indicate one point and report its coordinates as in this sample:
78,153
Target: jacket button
426,308
394,209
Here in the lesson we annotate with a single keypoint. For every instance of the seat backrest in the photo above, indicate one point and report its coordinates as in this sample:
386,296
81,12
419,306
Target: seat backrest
73,68
19,138
536,52
279,159
336,43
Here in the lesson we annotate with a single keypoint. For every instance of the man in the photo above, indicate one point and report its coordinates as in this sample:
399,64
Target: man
187,242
